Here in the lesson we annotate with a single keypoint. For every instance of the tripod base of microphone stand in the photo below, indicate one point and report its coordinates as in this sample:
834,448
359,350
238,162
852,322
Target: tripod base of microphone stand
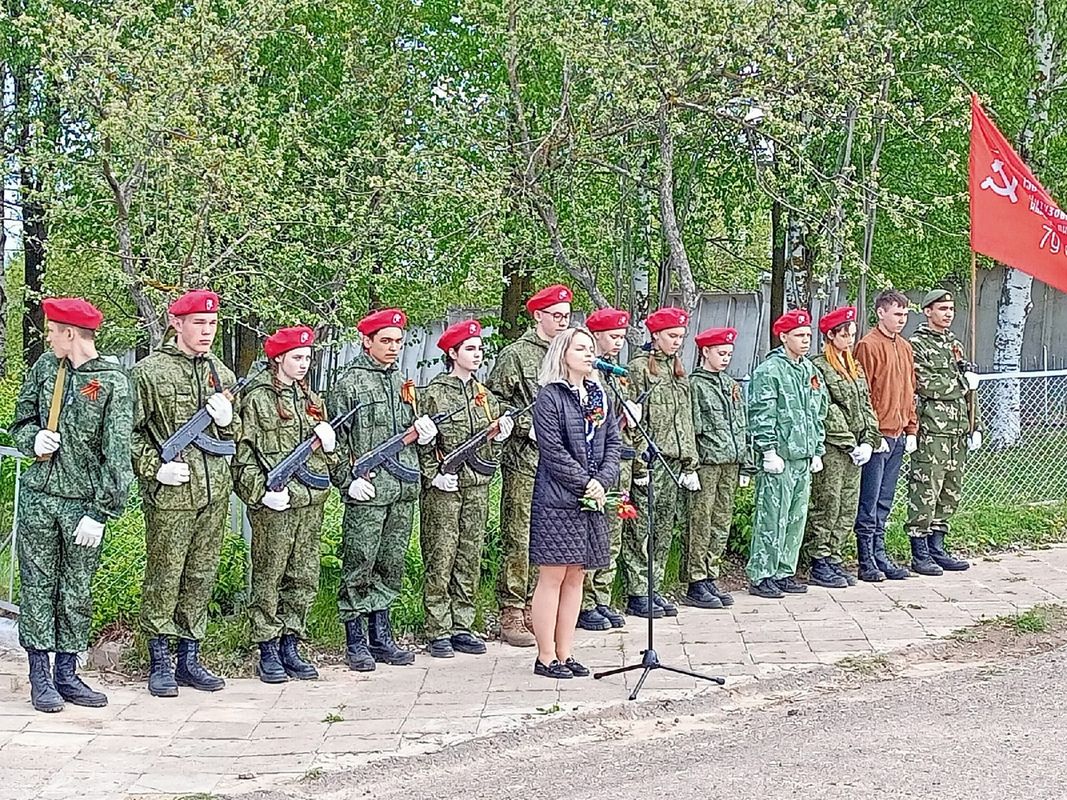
650,661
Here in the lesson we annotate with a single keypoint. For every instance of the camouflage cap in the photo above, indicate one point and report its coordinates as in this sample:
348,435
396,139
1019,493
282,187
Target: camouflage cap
937,296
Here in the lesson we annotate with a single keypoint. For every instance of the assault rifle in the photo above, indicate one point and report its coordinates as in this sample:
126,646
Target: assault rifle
384,455
295,464
468,451
192,433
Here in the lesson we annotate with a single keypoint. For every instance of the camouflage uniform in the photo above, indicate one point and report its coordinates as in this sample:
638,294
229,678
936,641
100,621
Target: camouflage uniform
452,524
835,492
514,381
275,419
374,534
787,405
720,425
89,475
667,414
183,524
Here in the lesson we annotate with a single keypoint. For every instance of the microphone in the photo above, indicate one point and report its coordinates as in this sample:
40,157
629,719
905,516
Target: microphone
609,368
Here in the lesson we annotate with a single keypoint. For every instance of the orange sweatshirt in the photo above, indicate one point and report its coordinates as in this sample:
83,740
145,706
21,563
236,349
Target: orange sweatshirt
890,367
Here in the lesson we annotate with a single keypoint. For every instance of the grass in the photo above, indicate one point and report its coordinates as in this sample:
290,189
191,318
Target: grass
1033,621
864,665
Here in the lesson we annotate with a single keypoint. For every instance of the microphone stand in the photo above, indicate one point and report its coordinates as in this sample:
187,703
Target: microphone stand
649,657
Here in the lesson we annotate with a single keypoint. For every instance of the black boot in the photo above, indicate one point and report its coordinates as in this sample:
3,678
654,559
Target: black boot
356,651
382,646
43,693
294,665
920,558
161,681
725,598
668,608
889,568
616,619
850,579
868,570
190,672
270,669
766,588
822,574
593,620
942,557
698,596
72,688
638,606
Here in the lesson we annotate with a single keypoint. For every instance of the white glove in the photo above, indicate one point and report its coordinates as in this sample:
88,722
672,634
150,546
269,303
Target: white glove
532,434
445,482
327,437
361,490
277,501
972,381
974,441
773,463
426,429
506,424
690,481
89,532
911,443
743,481
816,464
220,408
641,480
173,473
45,442
633,412
861,454
883,446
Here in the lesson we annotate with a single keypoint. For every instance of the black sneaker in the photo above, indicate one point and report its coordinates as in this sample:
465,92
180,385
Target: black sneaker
553,670
441,648
698,596
669,609
766,588
637,606
464,642
577,669
593,620
725,598
616,619
791,585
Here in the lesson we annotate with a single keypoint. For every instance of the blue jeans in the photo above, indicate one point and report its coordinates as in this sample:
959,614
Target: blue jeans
878,485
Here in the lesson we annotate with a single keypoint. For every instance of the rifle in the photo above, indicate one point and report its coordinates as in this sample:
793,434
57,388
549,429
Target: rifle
192,433
295,464
468,451
384,455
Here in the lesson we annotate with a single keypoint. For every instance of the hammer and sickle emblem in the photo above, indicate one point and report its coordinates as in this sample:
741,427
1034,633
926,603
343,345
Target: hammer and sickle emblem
1007,189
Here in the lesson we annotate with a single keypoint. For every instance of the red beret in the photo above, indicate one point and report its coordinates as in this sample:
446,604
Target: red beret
608,319
286,339
667,317
198,301
839,316
549,296
790,320
386,318
72,311
459,333
713,336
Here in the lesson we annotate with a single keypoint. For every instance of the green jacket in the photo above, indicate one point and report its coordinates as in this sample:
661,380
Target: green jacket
667,410
939,384
169,388
626,432
275,419
447,393
850,419
513,380
786,408
720,419
93,459
382,414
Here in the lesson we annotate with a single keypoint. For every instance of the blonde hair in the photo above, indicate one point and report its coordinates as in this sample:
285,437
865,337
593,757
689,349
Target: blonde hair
554,365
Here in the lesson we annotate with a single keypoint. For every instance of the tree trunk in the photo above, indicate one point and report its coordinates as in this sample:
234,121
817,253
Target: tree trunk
672,234
777,302
34,228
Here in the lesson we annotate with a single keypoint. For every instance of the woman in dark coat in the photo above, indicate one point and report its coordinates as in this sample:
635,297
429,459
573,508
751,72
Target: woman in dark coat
578,441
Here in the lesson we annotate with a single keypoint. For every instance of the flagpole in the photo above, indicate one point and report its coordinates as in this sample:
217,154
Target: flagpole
974,307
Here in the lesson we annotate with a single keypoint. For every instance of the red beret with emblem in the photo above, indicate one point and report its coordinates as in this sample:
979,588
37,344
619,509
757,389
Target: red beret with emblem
667,317
549,296
286,339
457,334
791,320
608,319
72,311
839,316
714,336
198,301
386,318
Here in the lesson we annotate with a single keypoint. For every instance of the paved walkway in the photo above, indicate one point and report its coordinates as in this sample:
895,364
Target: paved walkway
253,735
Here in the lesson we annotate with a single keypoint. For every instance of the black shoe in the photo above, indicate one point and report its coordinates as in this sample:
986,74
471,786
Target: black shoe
885,564
725,598
577,669
72,688
850,579
637,606
441,648
867,567
553,670
616,619
294,665
357,654
190,672
766,588
669,609
942,557
270,669
593,620
464,642
822,574
43,692
791,585
382,645
698,596
920,558
161,681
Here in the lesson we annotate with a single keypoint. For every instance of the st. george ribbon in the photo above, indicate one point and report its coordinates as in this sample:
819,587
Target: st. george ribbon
609,368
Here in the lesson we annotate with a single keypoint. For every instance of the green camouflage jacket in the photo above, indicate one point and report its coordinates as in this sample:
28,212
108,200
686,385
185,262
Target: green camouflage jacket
667,410
514,382
275,419
850,419
169,388
939,384
447,393
93,459
626,431
720,419
786,408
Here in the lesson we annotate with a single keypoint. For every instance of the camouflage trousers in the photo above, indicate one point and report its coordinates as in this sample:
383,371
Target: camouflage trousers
935,485
778,522
517,576
709,514
668,510
374,541
452,535
835,499
285,570
596,591
182,562
55,604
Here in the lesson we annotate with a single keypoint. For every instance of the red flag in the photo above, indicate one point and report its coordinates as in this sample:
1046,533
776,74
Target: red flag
1013,219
